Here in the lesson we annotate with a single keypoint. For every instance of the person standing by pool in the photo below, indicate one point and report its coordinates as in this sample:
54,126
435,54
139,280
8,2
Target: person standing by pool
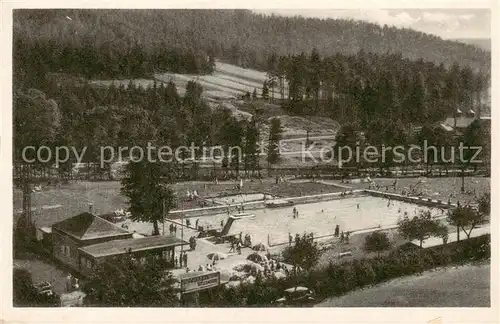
337,230
290,239
358,206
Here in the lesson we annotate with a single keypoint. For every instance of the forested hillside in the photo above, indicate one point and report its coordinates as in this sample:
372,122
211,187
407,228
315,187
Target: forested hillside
120,43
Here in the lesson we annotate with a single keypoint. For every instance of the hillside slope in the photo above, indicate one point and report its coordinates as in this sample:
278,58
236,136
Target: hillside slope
236,36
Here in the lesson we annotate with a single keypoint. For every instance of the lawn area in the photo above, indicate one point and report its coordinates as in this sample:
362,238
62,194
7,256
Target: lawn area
57,202
355,246
436,188
464,286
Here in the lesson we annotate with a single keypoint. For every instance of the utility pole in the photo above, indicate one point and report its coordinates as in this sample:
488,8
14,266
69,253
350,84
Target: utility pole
182,227
163,213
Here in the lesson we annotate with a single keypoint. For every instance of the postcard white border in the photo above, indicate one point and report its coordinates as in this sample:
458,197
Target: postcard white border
9,314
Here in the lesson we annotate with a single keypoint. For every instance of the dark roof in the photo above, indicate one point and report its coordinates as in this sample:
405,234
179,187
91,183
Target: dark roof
87,226
133,245
193,274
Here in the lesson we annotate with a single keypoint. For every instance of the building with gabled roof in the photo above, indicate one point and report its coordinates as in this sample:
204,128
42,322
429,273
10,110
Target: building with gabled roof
86,226
84,229
84,241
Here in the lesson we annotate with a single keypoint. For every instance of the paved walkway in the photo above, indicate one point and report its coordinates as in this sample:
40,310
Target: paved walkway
203,247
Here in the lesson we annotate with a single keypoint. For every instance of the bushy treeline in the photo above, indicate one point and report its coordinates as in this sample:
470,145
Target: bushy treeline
85,116
34,58
113,43
366,87
338,279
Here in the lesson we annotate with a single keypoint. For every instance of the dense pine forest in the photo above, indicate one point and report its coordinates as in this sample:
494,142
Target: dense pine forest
134,43
370,78
367,86
125,117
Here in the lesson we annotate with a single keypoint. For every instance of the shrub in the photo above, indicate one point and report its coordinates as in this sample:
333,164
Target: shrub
337,279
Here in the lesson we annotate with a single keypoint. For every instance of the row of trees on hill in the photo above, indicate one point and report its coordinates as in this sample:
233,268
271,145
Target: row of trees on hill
116,39
437,146
365,86
33,59
90,119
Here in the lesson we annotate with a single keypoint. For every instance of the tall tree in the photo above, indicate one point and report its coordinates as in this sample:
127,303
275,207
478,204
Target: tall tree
251,146
273,151
149,198
419,227
465,218
265,90
304,253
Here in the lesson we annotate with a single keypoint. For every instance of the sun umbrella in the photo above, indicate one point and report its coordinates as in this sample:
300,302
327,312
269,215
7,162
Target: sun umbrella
279,275
233,284
260,247
216,256
250,279
256,257
256,267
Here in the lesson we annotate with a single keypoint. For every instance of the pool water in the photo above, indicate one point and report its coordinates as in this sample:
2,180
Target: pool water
319,218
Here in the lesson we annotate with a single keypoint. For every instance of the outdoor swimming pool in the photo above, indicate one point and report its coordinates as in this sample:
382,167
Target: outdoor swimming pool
319,218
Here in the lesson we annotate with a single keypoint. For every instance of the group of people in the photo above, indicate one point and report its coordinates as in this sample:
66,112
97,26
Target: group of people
190,195
310,236
344,236
236,247
208,267
192,243
181,261
172,229
280,179
247,241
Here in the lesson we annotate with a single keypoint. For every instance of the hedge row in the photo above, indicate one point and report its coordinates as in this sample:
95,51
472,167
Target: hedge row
338,279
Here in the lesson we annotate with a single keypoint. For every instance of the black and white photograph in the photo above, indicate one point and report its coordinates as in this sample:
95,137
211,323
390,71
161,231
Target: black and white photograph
251,158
